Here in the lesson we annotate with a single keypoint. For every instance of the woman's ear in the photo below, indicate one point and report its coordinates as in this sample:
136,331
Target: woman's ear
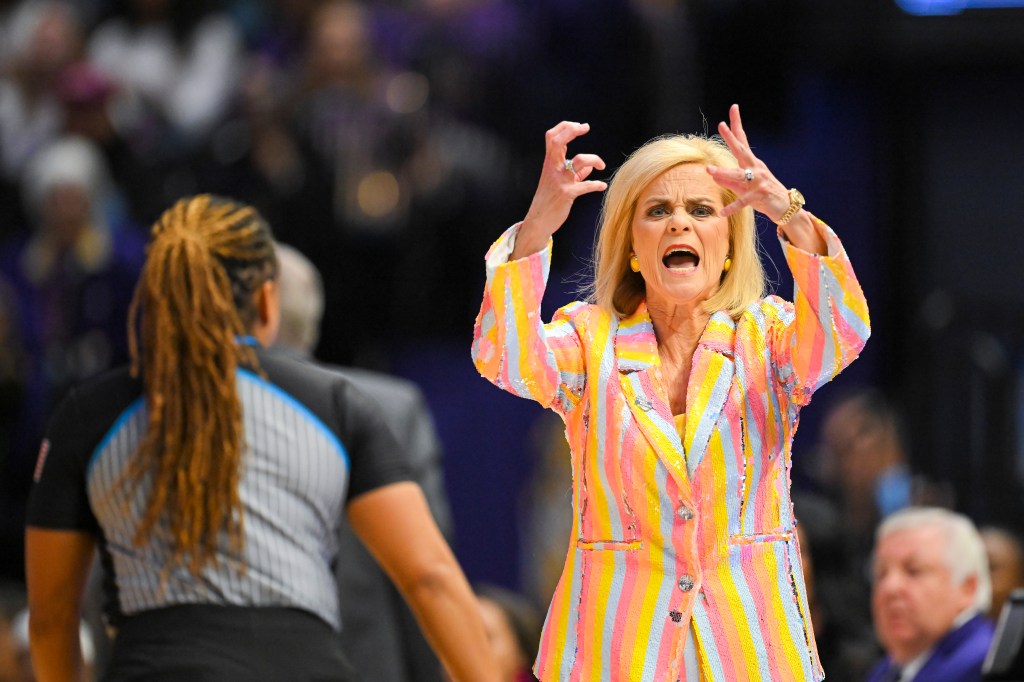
267,302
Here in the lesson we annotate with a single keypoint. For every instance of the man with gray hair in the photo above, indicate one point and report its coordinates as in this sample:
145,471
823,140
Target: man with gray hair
931,589
380,636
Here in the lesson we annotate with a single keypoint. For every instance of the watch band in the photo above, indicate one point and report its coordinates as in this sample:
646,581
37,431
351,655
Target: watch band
796,202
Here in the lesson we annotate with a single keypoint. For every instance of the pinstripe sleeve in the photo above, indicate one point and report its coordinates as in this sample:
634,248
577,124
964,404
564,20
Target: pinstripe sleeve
512,347
827,325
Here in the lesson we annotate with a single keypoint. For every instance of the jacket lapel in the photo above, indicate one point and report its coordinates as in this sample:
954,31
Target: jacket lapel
636,355
710,380
636,352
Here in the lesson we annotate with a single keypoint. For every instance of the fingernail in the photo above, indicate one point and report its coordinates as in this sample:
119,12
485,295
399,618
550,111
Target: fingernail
712,169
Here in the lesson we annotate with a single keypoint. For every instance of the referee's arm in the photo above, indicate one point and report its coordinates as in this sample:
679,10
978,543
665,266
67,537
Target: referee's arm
57,564
394,522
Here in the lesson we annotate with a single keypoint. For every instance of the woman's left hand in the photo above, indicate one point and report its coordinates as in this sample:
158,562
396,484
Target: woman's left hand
762,191
755,186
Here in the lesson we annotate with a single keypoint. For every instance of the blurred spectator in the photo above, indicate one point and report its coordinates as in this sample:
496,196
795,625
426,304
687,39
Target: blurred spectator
279,31
467,49
867,460
176,64
930,596
513,629
847,650
380,636
72,279
87,96
42,37
343,112
865,464
255,156
406,185
1005,564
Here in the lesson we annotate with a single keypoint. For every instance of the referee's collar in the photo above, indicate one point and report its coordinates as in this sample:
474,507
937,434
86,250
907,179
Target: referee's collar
251,364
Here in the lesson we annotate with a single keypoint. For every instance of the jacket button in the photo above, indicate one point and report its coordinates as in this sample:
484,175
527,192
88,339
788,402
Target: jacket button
685,513
686,583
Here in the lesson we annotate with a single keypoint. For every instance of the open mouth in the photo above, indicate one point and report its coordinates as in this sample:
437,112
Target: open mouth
681,260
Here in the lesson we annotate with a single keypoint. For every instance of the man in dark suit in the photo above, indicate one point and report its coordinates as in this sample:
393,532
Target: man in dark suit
379,634
931,591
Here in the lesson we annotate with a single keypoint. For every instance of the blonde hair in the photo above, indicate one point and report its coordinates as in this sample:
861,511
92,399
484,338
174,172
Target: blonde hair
193,302
618,289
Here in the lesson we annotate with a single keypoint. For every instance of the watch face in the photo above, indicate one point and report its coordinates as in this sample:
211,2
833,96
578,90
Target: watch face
797,197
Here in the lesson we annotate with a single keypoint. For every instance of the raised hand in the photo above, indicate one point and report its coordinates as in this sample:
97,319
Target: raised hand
562,180
753,183
755,186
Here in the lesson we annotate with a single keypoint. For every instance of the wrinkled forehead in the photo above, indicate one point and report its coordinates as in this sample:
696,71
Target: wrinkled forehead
924,544
682,182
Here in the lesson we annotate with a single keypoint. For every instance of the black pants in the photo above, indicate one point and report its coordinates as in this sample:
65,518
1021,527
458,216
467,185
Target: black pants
227,643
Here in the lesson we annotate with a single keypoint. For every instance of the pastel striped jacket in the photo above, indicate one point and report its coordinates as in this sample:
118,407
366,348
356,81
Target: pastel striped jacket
667,532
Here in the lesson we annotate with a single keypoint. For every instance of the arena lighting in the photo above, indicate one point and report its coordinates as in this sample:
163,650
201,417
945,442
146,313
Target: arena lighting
946,7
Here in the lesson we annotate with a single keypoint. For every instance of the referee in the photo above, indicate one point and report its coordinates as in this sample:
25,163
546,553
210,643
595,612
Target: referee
211,476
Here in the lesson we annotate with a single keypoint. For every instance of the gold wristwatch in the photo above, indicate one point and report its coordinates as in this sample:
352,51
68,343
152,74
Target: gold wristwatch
796,202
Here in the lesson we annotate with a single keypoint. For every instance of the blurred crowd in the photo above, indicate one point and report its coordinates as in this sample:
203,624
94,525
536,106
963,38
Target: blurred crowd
378,138
389,141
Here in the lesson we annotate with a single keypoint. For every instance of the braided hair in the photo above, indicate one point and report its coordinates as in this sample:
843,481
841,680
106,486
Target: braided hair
193,303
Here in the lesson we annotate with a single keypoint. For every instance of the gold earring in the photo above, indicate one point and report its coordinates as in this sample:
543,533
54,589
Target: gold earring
726,265
634,263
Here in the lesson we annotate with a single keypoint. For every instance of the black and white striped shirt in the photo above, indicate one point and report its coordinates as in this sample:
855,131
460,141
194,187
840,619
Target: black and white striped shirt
312,442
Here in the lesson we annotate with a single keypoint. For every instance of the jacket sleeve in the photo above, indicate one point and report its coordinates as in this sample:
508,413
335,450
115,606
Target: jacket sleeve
512,347
826,326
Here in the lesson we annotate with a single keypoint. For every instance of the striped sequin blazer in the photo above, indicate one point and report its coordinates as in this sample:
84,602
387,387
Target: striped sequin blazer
669,532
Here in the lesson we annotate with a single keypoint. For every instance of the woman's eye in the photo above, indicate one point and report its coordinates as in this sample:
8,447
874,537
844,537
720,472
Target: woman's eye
657,211
703,211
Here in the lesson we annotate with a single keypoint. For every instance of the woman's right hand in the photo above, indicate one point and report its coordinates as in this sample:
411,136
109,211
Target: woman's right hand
559,186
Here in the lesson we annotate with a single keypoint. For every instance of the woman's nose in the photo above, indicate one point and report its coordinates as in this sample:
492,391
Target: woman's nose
678,223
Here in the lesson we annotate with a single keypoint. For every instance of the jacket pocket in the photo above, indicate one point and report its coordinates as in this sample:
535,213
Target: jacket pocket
606,517
760,538
609,545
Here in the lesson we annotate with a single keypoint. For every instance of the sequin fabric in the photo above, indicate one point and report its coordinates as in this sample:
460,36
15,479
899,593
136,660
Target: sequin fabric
671,532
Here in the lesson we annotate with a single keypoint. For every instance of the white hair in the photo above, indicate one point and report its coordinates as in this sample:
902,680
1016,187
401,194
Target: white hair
965,550
302,299
68,160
